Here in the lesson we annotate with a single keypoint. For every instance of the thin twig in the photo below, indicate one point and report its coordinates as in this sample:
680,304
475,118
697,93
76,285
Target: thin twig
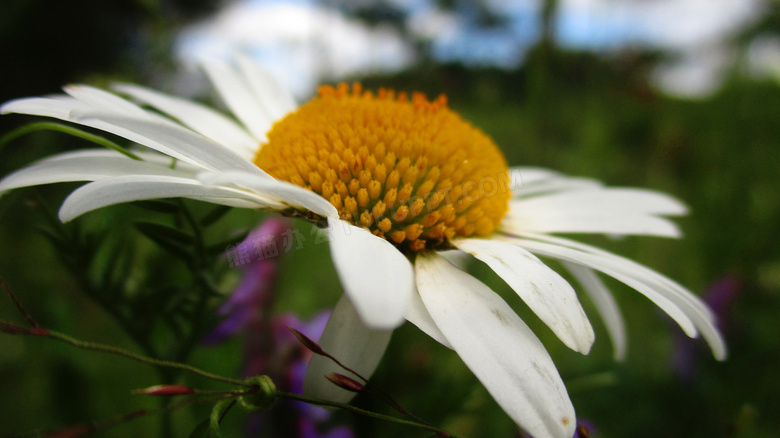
317,349
21,309
14,329
42,126
143,359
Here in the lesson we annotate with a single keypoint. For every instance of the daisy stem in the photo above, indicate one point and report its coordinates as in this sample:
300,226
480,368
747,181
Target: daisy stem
85,345
41,126
346,407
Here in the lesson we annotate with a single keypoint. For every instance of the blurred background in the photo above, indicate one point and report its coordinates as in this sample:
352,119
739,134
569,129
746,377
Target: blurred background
681,96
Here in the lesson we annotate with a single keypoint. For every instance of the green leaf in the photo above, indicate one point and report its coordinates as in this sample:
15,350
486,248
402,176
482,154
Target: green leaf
59,243
120,266
164,232
91,242
158,206
49,126
219,247
176,325
214,215
114,265
170,239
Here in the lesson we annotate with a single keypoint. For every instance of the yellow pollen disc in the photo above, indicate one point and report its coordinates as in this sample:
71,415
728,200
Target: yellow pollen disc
409,170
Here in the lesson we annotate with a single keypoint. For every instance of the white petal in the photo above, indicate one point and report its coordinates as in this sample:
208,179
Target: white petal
648,274
85,165
612,211
457,258
238,95
555,185
604,266
173,140
58,107
628,200
102,100
533,181
64,107
197,117
605,304
699,313
418,315
549,296
376,276
276,99
531,175
148,156
530,219
279,191
155,132
351,342
116,190
678,302
498,347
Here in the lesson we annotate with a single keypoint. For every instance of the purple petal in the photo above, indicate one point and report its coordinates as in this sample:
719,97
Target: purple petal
254,295
720,297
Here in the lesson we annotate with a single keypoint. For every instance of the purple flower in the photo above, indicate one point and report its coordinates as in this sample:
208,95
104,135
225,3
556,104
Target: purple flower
270,347
273,350
720,297
254,295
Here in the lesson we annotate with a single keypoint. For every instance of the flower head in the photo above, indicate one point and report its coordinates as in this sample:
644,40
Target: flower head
395,181
409,170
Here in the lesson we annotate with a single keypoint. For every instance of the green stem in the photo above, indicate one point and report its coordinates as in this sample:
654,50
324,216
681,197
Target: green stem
41,126
346,407
84,345
204,285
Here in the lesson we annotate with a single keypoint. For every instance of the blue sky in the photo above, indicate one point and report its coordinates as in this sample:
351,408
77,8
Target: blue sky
304,43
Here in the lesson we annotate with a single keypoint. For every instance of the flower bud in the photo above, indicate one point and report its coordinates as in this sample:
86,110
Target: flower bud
345,382
165,390
308,343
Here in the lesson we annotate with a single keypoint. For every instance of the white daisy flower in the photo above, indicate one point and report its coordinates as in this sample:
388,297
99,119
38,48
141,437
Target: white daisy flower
399,181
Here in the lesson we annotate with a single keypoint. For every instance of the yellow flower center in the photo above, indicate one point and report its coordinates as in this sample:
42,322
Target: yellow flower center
411,171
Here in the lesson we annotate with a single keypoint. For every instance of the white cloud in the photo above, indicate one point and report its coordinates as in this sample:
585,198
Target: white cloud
763,57
302,44
695,74
666,24
434,23
695,31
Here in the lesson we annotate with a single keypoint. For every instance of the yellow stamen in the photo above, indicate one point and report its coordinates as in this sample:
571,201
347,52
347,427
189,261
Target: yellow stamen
408,169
